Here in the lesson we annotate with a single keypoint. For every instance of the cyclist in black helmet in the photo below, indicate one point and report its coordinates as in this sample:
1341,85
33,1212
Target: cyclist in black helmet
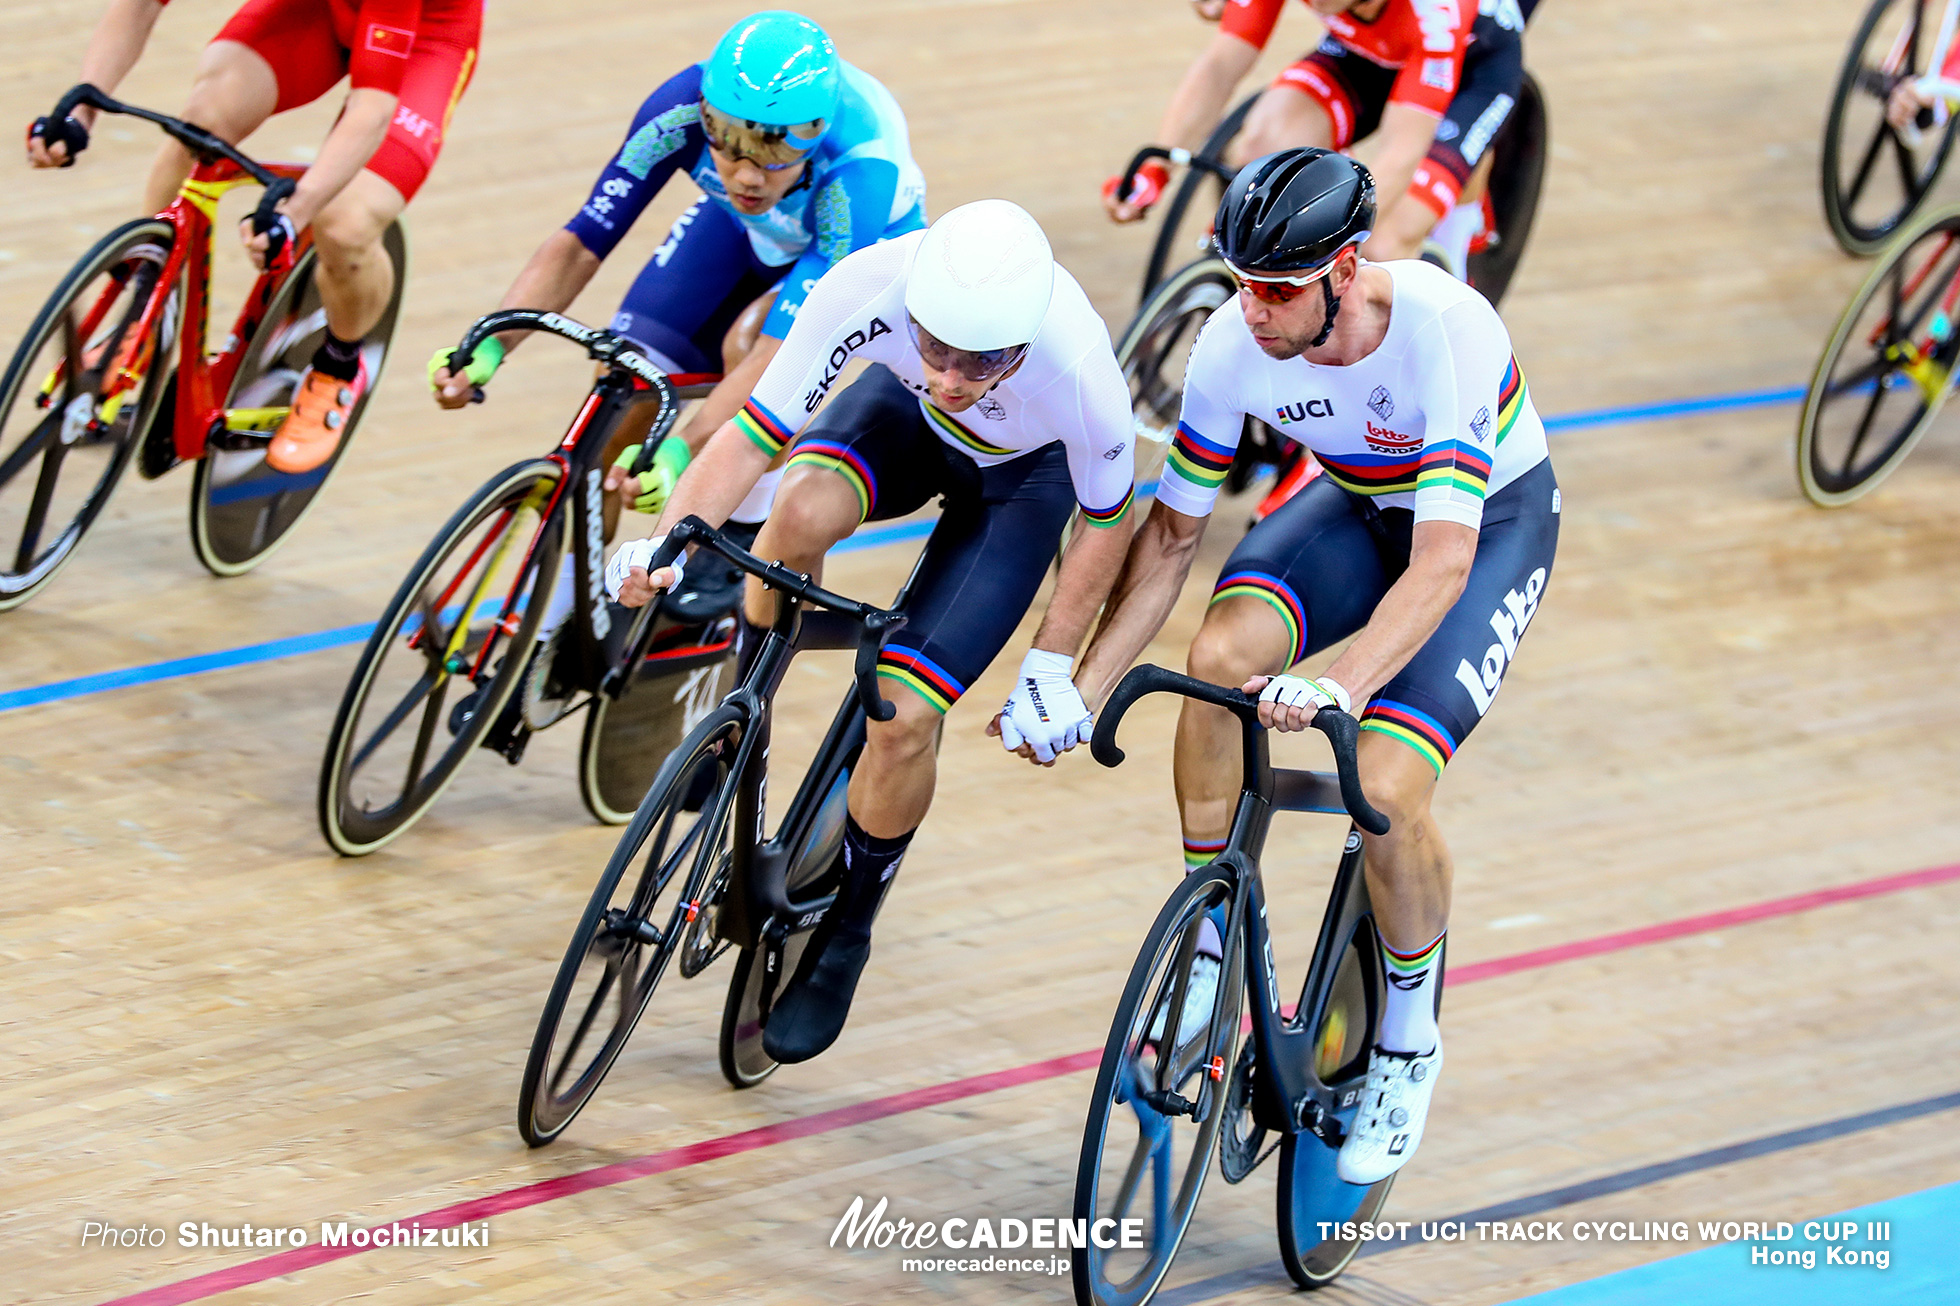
1428,537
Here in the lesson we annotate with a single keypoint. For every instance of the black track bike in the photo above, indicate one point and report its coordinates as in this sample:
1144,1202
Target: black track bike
459,658
1181,1079
696,870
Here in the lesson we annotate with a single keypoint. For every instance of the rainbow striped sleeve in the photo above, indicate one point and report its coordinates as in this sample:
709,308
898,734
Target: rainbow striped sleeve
765,430
1110,516
1194,470
1451,478
1510,400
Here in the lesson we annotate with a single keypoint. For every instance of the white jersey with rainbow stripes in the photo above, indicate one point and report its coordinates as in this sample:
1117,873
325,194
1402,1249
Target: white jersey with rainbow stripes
1067,389
1436,419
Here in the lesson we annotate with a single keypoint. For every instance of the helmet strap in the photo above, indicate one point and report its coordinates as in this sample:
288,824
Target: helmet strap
1333,303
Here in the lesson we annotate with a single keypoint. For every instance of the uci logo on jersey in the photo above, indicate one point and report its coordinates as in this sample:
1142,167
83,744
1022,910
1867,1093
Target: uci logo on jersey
1290,413
1509,622
840,356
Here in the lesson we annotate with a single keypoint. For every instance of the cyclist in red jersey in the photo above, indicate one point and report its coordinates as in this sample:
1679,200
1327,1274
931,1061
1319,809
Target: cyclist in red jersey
407,63
1430,81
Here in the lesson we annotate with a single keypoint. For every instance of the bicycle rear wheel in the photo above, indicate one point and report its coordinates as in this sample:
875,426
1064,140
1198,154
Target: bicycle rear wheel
691,669
1155,1115
467,614
1517,178
62,446
631,929
1887,369
1872,178
242,509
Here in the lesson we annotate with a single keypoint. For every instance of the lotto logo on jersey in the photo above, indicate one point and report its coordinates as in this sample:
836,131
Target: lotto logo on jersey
1383,440
390,40
1440,74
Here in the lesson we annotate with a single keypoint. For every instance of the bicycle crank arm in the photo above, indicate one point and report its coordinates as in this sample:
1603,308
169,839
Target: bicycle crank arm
1315,1119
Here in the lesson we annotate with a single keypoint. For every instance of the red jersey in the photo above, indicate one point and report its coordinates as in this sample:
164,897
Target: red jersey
1424,39
378,35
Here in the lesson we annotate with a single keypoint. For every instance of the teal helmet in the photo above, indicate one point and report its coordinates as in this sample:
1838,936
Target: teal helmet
769,91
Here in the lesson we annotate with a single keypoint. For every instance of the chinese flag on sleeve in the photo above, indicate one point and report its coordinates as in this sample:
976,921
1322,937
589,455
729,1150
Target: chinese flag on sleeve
389,40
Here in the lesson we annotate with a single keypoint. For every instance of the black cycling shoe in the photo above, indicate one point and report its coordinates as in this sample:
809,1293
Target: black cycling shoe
710,588
811,1012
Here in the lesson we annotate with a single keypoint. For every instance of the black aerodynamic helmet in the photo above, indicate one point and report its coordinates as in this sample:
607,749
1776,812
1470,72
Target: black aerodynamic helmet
1294,210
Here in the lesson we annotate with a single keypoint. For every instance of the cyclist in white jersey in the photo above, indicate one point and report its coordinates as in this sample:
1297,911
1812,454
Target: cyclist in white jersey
994,386
1428,537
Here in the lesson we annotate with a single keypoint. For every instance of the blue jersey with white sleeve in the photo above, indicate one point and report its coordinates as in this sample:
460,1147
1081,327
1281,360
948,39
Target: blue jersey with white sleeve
860,184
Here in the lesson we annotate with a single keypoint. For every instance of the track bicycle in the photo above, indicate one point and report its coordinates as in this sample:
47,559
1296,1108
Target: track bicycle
460,657
693,876
1876,176
1180,1078
1887,369
95,382
1517,180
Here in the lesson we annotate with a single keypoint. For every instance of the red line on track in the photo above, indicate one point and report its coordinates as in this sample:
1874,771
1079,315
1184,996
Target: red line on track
844,1117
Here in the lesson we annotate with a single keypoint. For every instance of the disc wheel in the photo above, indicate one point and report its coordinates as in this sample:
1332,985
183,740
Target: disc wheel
627,738
631,929
1186,227
1310,1191
1517,179
1887,368
1873,176
62,446
744,1061
241,508
443,659
1159,1102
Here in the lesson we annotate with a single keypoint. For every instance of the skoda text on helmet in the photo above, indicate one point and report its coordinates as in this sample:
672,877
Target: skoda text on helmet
769,91
1287,216
979,288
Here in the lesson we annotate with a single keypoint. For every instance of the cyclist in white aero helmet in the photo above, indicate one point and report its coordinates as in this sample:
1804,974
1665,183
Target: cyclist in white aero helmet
994,386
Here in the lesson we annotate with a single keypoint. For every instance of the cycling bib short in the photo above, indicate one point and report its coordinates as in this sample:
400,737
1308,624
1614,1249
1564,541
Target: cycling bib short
420,51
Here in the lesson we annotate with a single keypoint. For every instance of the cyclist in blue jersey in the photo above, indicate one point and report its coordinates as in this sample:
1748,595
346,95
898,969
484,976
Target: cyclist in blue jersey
801,159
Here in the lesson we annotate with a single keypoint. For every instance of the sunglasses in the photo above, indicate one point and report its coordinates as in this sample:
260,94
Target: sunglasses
973,364
1269,289
767,146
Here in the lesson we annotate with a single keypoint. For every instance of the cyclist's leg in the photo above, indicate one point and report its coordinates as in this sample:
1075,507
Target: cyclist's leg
1302,579
1331,99
1493,78
233,91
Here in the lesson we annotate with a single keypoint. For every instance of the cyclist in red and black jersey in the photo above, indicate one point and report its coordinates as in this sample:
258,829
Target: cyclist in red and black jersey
1429,81
407,63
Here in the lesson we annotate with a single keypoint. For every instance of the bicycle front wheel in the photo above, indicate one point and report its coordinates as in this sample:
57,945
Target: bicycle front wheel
632,927
241,508
1887,369
1873,178
443,659
1159,1099
63,446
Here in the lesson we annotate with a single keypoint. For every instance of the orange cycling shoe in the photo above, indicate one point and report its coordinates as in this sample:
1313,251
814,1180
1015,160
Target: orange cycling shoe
318,420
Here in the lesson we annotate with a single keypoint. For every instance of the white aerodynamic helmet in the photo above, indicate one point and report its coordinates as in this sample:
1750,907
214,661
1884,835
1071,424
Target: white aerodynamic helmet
982,278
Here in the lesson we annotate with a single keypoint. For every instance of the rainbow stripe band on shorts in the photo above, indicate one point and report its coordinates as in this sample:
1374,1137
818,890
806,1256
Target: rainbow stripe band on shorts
1270,590
921,675
1412,726
843,460
764,429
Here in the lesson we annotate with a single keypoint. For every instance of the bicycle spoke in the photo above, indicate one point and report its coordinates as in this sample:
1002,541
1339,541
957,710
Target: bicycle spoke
1908,169
586,1020
30,447
430,720
1865,165
1869,374
1864,427
416,694
37,511
71,364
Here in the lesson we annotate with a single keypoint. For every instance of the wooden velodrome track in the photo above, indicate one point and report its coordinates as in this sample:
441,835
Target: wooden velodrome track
1729,697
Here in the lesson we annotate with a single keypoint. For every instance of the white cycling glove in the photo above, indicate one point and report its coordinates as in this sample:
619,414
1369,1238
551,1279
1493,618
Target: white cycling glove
1307,695
635,553
1045,711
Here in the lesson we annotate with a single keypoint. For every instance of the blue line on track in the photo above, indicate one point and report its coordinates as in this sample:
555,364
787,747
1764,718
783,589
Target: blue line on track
875,537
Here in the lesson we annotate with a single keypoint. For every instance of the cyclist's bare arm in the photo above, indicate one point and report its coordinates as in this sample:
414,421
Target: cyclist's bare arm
355,136
713,486
553,278
1440,554
113,49
1395,151
1198,102
1153,574
1090,565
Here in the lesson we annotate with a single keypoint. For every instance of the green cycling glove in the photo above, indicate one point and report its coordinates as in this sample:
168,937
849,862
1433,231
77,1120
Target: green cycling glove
658,481
489,356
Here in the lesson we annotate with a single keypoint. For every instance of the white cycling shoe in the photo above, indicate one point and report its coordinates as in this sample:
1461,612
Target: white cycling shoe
1200,993
1394,1107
